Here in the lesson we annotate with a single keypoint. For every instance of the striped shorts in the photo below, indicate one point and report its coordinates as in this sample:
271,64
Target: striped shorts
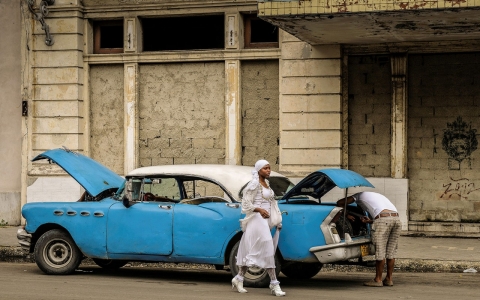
385,234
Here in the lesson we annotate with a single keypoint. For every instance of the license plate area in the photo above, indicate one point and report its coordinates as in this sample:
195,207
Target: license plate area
364,249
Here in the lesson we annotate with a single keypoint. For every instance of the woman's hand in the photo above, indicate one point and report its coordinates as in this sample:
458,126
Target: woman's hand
279,226
262,212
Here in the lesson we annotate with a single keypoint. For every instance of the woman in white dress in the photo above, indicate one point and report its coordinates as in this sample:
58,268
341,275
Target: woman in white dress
257,247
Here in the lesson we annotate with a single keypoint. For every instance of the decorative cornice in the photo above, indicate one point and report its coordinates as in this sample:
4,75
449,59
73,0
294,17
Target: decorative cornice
40,16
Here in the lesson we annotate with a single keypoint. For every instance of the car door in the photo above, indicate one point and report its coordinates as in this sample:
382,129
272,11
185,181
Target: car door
146,227
142,229
205,222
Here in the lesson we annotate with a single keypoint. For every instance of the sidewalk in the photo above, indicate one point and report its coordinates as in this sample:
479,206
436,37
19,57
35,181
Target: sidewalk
415,254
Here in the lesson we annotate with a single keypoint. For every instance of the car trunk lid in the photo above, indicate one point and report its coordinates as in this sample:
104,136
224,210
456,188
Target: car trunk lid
321,182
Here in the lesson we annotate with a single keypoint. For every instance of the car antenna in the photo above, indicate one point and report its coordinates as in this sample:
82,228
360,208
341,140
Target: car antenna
345,213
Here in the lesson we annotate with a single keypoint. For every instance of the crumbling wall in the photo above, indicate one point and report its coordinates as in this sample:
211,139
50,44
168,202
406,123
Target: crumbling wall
107,116
182,113
369,109
443,128
260,112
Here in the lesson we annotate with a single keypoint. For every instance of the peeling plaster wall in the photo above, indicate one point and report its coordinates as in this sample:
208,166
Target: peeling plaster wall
107,116
369,107
10,112
260,112
442,88
182,113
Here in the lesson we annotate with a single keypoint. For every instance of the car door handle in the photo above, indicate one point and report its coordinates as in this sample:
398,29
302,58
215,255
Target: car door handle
285,212
167,207
232,205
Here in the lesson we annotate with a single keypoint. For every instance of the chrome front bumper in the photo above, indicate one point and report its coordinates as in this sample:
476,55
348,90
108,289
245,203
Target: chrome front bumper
24,239
343,251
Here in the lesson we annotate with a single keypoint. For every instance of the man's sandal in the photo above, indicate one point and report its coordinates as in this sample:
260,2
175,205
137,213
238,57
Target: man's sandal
387,282
373,283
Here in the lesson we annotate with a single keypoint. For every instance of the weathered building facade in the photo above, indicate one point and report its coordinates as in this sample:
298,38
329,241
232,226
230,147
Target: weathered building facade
144,82
410,97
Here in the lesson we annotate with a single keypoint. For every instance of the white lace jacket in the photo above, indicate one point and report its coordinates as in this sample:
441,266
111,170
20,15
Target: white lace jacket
248,207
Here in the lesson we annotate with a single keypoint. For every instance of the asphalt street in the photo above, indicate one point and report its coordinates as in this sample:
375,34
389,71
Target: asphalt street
19,281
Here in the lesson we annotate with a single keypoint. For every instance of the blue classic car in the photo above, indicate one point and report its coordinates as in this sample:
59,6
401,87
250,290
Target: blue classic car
188,214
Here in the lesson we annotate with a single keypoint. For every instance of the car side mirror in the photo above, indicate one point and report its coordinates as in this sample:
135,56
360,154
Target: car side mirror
127,197
126,202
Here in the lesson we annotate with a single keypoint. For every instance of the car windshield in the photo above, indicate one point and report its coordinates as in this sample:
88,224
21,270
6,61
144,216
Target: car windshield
279,185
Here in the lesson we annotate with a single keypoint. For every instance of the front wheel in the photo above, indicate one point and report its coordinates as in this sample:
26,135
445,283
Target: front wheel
299,270
56,253
254,277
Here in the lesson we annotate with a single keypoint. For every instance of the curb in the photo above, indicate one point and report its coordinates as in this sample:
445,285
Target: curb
413,266
17,255
14,254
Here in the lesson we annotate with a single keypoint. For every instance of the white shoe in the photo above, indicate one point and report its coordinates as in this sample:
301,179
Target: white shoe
239,285
276,290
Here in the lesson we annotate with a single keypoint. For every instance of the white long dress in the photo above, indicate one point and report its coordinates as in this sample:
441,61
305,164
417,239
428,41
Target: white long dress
256,246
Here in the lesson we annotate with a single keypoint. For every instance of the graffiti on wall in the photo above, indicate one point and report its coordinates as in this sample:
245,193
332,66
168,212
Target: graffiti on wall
459,141
458,189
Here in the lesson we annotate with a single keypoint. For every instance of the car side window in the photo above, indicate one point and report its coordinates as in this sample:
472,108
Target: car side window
202,188
162,187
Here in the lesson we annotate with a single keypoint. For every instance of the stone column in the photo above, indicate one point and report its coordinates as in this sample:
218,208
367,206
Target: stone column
131,117
399,115
53,86
233,108
310,107
233,113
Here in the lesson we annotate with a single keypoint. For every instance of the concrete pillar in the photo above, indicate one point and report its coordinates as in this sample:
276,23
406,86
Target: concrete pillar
233,108
53,86
310,107
399,115
233,113
131,117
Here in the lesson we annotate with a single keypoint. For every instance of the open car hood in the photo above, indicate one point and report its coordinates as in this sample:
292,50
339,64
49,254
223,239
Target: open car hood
321,182
94,177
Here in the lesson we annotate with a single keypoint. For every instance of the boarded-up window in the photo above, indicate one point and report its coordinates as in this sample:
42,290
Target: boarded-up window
443,133
260,112
182,113
369,109
107,116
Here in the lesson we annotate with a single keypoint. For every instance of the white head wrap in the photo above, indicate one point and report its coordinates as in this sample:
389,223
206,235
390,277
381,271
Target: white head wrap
260,164
255,179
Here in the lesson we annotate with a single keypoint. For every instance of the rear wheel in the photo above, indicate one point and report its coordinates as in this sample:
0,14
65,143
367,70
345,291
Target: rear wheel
299,270
109,264
254,277
56,253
